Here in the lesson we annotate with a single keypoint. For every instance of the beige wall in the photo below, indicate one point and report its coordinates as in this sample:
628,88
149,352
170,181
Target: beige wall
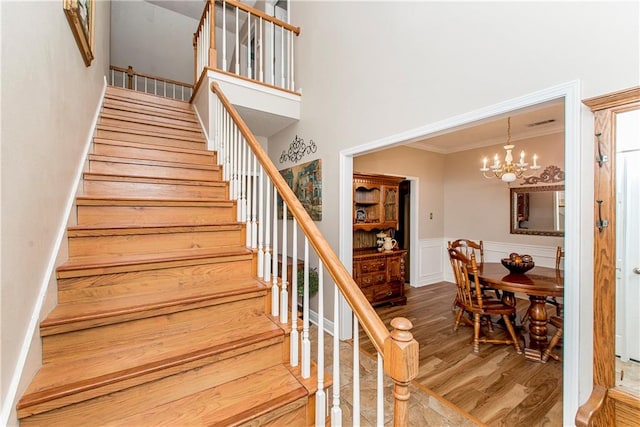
49,99
152,39
463,202
478,208
427,168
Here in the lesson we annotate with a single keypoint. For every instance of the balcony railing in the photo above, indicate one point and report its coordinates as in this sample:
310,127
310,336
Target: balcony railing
130,79
246,42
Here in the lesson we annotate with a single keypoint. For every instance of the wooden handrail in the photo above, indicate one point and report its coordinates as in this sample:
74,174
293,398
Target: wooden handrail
398,348
149,76
261,14
369,319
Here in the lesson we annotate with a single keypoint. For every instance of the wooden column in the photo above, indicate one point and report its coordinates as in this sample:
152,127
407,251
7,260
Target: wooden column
401,363
212,34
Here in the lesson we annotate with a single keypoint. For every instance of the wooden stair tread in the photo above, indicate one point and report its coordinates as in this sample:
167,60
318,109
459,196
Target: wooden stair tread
88,230
84,373
115,101
116,107
231,403
134,96
105,262
115,112
125,120
134,178
199,139
141,201
168,148
84,312
145,162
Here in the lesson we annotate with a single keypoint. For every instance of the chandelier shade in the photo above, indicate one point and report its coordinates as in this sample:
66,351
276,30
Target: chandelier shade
508,171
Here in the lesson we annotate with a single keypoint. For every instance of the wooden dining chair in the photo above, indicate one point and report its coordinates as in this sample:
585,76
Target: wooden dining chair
469,296
468,247
558,323
559,266
552,300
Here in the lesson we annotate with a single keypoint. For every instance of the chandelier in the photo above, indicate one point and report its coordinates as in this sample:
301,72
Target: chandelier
508,171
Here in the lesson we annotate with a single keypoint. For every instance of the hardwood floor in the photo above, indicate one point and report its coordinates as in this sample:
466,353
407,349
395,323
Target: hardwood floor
496,385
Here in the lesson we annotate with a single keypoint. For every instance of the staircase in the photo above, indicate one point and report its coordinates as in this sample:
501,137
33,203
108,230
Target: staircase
160,317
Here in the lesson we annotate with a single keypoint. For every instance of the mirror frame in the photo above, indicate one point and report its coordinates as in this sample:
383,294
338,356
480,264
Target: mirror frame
512,210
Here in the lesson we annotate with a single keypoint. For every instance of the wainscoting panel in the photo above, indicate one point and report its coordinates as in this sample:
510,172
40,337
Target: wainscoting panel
431,259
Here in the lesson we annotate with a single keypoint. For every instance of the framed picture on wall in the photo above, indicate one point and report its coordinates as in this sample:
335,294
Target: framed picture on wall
306,182
80,16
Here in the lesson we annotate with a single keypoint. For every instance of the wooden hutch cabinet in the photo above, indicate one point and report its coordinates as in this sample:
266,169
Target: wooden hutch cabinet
379,273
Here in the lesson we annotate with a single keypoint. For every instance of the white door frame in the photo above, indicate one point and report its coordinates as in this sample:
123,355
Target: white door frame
574,247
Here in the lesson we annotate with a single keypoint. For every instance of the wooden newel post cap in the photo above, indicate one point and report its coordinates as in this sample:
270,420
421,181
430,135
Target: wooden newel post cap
401,352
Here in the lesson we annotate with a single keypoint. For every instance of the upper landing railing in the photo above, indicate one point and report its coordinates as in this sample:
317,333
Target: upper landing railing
130,79
246,42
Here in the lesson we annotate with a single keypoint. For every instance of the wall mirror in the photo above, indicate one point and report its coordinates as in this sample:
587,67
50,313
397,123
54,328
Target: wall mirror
538,210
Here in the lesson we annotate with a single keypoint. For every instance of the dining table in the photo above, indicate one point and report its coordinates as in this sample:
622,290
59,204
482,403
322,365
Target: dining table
538,284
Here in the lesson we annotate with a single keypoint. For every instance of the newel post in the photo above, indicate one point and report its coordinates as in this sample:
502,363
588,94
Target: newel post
212,34
130,75
401,364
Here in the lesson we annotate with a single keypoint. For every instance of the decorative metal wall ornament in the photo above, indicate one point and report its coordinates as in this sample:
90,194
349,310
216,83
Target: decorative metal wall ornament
297,150
550,174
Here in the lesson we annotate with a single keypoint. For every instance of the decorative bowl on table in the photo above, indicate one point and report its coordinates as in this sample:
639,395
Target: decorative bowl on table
518,264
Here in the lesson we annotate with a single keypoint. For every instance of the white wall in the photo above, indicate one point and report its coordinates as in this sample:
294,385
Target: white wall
49,99
368,70
152,39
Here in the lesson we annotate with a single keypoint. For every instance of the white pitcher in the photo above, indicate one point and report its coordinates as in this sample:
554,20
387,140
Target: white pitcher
389,243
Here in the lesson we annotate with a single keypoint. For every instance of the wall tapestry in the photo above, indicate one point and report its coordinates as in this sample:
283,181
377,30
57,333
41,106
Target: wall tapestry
306,182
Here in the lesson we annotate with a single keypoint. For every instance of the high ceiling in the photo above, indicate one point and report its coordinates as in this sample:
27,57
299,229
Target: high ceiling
538,120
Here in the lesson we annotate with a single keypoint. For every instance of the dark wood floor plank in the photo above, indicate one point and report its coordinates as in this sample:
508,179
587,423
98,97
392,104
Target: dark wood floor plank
497,385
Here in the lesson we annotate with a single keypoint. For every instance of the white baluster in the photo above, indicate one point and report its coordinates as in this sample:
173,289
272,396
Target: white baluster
282,67
261,197
306,343
243,179
292,85
237,51
224,35
232,137
356,372
273,55
380,393
249,195
249,69
113,76
336,412
275,290
284,292
164,84
254,206
261,44
267,232
145,85
293,356
320,394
